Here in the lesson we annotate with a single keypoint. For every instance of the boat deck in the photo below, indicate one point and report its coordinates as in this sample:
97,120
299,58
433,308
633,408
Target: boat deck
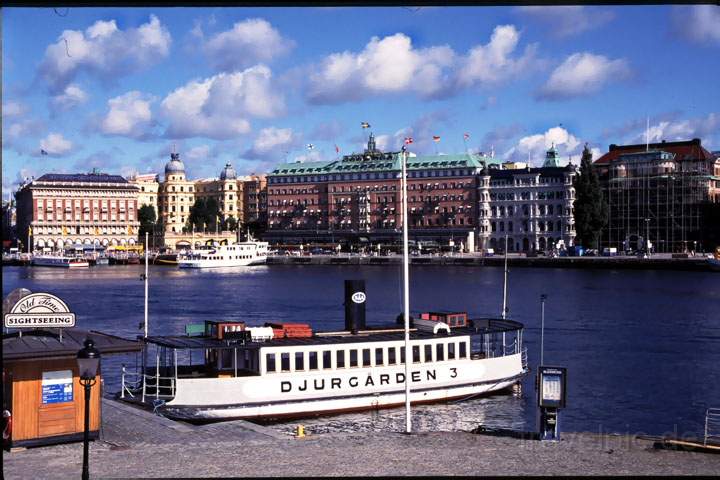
378,334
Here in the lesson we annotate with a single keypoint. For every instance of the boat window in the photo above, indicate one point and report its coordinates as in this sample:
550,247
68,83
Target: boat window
285,362
402,355
299,360
391,356
428,353
463,349
270,362
313,361
366,357
353,358
451,351
440,352
327,359
340,359
379,356
416,353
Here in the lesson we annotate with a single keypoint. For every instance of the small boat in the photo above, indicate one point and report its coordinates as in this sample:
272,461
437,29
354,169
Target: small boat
714,260
165,259
61,261
238,254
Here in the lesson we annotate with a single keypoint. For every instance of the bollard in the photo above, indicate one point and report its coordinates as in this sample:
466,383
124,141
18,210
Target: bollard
300,431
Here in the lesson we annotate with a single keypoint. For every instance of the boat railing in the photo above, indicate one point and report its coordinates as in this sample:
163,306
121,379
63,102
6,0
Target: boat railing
524,359
146,385
712,425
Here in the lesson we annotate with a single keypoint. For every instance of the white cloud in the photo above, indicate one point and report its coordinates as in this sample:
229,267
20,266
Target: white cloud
487,65
564,21
56,144
105,50
129,115
71,97
583,74
13,109
201,152
218,107
705,128
698,23
535,146
248,42
392,65
273,141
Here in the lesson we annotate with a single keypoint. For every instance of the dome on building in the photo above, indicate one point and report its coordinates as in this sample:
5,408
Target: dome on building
175,165
228,173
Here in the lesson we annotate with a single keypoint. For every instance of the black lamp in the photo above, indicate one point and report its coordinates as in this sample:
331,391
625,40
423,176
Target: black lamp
88,359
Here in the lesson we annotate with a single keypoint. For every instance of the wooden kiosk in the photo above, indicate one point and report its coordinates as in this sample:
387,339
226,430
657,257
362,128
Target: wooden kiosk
43,399
41,385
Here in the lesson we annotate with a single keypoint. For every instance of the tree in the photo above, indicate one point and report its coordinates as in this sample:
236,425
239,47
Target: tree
212,213
231,224
197,219
590,209
147,218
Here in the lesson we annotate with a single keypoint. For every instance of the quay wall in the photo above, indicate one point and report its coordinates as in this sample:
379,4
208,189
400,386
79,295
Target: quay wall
688,264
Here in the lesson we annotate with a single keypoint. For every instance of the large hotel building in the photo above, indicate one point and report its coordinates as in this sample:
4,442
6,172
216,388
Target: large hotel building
466,197
58,210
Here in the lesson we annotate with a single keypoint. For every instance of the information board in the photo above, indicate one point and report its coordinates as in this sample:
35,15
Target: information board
57,386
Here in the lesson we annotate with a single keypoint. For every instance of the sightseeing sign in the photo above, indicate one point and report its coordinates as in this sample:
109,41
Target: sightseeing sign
39,310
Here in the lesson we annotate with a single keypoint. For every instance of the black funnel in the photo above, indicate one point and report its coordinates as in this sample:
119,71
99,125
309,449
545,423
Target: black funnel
355,305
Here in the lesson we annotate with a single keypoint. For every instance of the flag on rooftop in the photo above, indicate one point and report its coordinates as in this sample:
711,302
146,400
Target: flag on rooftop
310,146
43,152
436,138
408,140
466,136
337,149
365,125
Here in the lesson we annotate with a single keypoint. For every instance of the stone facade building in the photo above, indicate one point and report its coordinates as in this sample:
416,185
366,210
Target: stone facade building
239,197
58,210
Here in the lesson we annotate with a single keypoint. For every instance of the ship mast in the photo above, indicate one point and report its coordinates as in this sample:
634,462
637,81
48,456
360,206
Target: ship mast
146,284
504,307
406,291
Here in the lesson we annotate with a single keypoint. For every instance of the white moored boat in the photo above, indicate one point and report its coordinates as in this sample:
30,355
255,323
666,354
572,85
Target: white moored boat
59,261
244,376
234,255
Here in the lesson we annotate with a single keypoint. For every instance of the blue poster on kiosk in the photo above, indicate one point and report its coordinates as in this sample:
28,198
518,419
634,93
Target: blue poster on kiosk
57,386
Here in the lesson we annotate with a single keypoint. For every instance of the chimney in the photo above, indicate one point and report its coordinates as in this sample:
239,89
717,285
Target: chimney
354,305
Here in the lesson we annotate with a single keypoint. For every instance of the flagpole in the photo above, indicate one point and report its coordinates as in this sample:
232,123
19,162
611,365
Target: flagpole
406,293
146,284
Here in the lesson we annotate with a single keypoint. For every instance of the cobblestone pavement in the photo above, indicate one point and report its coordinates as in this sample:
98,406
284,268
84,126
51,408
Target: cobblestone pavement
138,444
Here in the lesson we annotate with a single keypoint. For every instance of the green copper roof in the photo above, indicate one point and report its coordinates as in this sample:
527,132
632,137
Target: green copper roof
384,163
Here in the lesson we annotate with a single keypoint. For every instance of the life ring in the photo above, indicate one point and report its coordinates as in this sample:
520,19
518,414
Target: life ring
7,431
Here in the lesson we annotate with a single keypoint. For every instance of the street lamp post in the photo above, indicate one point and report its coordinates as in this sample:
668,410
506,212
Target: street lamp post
647,236
543,297
88,360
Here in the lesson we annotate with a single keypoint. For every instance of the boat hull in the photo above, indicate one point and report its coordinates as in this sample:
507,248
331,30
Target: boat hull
277,396
220,263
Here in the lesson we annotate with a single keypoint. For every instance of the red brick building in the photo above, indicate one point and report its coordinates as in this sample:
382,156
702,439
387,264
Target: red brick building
358,197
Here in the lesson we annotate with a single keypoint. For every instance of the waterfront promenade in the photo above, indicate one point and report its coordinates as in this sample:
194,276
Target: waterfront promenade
656,262
137,444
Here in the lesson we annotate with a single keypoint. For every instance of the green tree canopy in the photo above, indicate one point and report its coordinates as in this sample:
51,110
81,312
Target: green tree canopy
147,218
590,209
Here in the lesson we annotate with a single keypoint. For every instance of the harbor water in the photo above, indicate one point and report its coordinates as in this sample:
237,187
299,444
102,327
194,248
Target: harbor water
642,348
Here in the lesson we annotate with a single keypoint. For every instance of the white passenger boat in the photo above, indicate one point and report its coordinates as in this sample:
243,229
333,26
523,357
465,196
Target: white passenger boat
61,261
225,374
234,255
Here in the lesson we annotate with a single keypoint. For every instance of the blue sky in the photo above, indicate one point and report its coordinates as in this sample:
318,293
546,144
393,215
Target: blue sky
117,88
